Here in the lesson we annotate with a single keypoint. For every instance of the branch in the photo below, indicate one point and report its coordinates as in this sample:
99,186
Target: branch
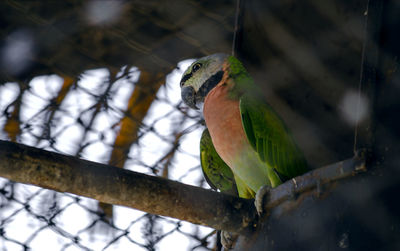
118,186
313,182
152,194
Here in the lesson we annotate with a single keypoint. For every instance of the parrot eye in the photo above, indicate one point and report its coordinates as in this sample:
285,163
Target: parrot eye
196,67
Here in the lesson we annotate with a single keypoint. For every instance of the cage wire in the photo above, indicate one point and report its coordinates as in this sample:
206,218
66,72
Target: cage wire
85,124
309,83
84,116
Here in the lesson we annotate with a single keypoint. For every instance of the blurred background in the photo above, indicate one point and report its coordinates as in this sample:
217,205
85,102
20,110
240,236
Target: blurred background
99,80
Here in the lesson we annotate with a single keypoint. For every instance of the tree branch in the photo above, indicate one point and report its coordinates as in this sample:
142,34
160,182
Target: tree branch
156,195
292,192
118,186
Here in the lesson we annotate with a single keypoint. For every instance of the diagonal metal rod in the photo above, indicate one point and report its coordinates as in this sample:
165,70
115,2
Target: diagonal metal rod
238,27
369,74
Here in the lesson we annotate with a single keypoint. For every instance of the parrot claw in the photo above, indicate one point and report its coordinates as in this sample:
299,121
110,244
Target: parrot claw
228,239
259,198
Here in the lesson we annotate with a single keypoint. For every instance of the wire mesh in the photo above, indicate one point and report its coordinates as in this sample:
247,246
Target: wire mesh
308,70
85,123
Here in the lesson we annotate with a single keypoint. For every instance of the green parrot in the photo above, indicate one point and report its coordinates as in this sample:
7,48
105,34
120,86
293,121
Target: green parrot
244,132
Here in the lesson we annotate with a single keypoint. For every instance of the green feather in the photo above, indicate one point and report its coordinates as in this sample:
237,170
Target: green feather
243,82
264,129
270,138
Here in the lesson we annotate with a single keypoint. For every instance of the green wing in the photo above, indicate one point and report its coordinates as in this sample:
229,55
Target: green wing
269,137
264,129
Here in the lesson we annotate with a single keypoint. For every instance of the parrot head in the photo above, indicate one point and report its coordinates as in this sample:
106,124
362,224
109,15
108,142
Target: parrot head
201,77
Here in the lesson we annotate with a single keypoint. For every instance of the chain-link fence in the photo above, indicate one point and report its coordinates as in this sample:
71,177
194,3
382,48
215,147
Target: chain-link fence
115,99
84,122
129,117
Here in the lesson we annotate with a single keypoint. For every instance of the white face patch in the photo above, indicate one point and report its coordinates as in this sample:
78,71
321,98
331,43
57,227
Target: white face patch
200,71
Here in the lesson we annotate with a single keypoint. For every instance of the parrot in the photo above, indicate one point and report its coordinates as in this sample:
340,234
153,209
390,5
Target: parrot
246,147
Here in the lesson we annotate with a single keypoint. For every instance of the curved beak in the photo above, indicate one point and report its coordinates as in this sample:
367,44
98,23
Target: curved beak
189,97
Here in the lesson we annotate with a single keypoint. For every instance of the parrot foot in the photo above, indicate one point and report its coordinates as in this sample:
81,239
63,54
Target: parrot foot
259,198
228,239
